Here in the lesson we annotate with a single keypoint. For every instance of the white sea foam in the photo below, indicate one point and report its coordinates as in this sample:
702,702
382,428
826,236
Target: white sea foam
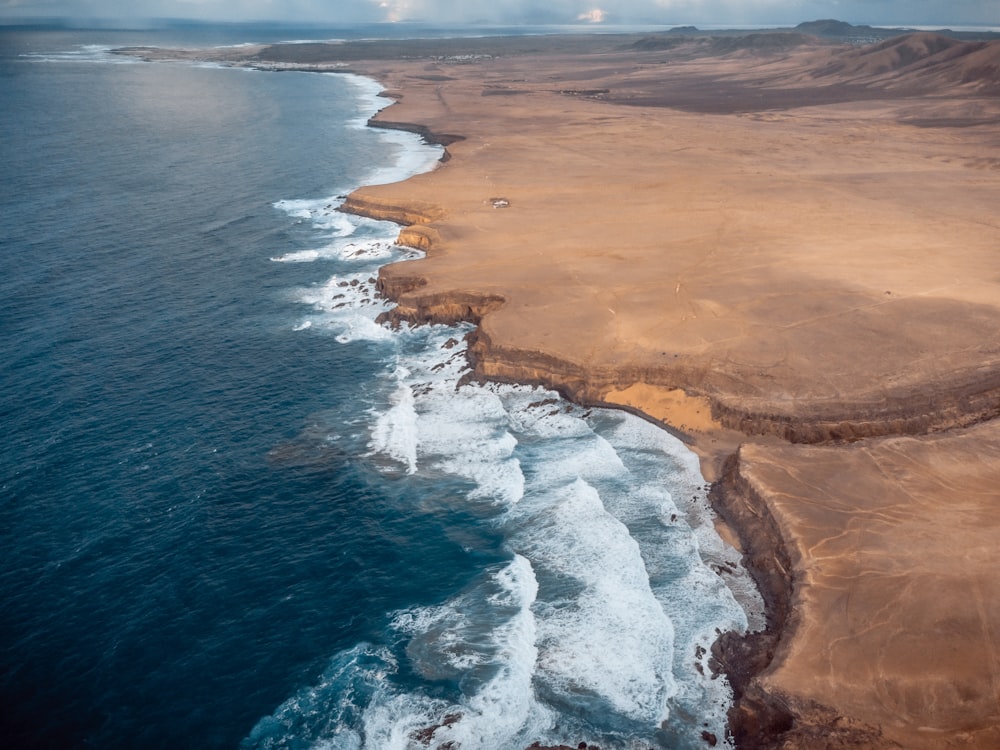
349,238
322,214
356,291
503,710
616,639
598,628
395,430
346,305
409,159
338,224
326,714
462,434
350,251
367,95
602,633
300,209
627,601
488,640
660,456
299,256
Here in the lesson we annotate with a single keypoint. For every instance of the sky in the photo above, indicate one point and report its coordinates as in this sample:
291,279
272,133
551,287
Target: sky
607,12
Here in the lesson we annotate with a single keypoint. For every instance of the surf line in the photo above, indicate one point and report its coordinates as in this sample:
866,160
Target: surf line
404,408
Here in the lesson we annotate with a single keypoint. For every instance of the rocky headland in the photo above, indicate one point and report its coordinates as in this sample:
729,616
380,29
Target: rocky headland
784,249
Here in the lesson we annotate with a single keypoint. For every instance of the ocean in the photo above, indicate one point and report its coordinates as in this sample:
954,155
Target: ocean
235,512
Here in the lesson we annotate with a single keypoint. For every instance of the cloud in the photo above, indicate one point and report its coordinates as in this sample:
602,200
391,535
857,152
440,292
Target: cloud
914,12
492,11
595,15
667,12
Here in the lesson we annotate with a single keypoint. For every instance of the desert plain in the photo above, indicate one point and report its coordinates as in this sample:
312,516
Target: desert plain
786,250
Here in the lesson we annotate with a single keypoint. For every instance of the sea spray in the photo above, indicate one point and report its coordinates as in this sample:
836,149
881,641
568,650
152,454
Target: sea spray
608,640
598,626
394,431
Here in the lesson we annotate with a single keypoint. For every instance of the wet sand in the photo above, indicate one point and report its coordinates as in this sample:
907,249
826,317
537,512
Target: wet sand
785,251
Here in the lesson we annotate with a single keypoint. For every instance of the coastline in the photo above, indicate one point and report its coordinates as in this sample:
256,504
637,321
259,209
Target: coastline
437,363
457,309
755,718
879,349
764,715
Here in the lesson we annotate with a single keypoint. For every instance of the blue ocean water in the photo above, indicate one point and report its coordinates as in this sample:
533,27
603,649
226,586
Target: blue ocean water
235,512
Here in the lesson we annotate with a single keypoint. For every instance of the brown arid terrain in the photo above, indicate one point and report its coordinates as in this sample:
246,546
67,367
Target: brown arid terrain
785,250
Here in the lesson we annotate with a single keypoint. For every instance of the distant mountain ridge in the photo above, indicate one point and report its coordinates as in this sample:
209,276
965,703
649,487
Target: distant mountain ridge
922,59
830,28
833,28
906,61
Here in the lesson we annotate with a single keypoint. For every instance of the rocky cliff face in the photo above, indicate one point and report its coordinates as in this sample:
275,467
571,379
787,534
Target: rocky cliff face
412,213
970,397
761,718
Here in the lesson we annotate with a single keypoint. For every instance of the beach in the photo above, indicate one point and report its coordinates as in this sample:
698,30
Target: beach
782,251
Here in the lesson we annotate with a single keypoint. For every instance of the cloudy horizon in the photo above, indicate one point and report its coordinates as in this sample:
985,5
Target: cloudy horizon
590,12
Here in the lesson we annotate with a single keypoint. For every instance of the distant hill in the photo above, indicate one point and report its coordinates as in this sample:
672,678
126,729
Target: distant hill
921,60
656,43
719,44
766,41
831,28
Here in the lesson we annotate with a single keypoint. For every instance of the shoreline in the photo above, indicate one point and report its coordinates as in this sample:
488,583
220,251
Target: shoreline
800,240
729,656
760,717
739,656
457,310
747,524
